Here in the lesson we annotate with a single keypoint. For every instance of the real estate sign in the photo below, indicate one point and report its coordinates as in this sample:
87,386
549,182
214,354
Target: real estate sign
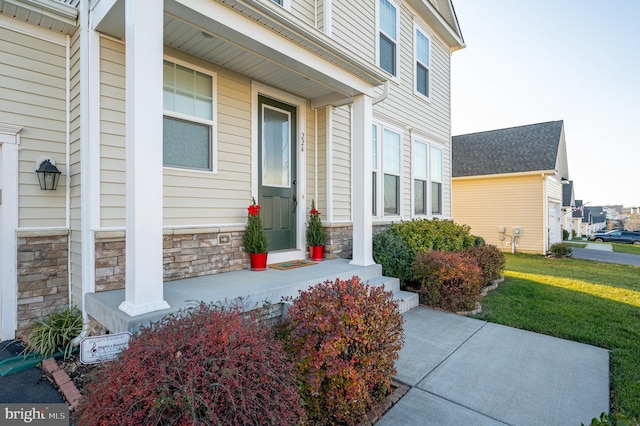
97,349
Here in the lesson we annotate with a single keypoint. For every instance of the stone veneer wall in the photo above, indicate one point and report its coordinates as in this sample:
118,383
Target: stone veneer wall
340,241
43,274
186,253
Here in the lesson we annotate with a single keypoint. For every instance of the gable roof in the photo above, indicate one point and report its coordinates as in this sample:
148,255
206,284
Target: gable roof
567,194
529,148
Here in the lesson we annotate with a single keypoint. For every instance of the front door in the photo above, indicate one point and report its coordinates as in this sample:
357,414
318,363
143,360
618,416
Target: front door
277,171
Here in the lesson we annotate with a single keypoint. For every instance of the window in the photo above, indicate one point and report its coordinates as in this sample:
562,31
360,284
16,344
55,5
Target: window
422,61
420,178
188,101
436,180
387,36
427,179
386,170
374,168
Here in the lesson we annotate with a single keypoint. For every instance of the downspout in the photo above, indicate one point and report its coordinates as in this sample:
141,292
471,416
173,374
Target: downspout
385,93
83,20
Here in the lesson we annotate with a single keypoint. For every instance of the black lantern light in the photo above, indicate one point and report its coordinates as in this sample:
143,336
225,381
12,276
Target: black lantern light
48,176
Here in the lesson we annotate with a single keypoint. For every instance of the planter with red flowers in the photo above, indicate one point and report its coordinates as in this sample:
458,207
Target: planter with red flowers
316,234
255,240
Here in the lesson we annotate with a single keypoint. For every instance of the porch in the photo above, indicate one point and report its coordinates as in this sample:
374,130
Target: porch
252,288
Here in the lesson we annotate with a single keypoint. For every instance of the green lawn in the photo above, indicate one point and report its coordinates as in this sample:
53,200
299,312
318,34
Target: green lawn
580,300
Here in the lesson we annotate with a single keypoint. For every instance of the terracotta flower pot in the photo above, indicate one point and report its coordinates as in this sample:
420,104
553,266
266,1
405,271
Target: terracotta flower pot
258,261
316,252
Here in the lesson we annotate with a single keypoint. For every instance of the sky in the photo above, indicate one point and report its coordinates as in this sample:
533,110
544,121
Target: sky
533,61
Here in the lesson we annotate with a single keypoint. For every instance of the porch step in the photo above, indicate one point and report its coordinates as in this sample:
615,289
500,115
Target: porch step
406,299
253,289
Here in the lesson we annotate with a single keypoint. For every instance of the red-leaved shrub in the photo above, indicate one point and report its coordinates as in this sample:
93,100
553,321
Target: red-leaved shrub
490,260
344,338
206,365
448,280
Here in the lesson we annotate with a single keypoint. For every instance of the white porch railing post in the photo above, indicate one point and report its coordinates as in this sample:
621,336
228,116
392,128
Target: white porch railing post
144,50
361,175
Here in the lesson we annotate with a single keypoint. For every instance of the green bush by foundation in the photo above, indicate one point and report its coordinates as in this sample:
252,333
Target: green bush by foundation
54,332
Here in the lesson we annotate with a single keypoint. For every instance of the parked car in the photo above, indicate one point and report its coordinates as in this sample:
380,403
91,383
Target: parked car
626,237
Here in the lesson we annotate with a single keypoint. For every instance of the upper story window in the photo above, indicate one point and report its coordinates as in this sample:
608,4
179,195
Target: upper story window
189,111
284,3
388,36
422,63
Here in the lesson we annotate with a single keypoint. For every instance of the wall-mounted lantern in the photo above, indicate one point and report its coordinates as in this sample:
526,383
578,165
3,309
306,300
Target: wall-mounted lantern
48,174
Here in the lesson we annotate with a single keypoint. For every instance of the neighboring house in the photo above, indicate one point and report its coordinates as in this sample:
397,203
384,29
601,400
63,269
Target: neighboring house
507,185
167,117
568,206
577,215
594,220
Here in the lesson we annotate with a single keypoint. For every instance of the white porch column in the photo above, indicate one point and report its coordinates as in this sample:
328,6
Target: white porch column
144,274
361,176
9,147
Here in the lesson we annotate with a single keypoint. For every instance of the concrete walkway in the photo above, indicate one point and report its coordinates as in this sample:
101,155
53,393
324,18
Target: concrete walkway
469,372
599,246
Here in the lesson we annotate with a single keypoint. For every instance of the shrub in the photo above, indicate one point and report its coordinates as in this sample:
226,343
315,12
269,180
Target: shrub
448,280
565,235
54,332
205,365
394,254
478,241
613,420
423,235
344,338
490,260
561,249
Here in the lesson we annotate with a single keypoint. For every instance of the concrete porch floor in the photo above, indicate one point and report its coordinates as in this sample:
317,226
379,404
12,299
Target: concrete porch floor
253,288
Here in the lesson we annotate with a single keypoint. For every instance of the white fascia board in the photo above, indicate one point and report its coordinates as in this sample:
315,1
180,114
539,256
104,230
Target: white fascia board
428,12
244,32
504,175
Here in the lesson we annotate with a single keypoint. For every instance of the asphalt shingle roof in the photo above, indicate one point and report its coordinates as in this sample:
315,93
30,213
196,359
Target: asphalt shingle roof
516,149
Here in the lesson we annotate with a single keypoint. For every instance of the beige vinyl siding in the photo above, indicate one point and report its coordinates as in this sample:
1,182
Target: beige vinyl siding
341,164
488,203
355,17
33,93
75,249
318,181
202,198
112,133
304,9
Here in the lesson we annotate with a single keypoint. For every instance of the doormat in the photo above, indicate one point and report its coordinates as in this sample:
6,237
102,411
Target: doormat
283,266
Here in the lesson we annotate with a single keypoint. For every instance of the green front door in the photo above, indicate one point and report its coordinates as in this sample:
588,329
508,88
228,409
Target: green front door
277,171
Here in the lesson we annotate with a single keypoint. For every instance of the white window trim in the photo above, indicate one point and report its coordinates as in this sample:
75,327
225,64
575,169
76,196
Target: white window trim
418,27
427,180
429,207
380,127
441,181
212,123
394,3
286,4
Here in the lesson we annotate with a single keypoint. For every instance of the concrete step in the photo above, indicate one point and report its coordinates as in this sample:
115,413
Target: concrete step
407,300
389,283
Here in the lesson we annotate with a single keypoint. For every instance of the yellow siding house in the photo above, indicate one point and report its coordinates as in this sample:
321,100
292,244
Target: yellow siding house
508,185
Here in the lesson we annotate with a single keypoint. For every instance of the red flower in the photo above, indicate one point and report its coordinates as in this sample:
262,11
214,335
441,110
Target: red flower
254,210
314,211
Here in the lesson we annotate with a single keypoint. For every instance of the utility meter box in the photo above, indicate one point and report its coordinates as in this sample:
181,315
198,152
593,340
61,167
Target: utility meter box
516,231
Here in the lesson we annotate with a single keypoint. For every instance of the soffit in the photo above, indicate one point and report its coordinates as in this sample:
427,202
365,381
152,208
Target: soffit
53,15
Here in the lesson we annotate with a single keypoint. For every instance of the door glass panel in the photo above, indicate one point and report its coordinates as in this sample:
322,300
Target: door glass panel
276,148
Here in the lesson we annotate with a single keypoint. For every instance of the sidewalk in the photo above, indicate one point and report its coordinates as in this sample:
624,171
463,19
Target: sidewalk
465,371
